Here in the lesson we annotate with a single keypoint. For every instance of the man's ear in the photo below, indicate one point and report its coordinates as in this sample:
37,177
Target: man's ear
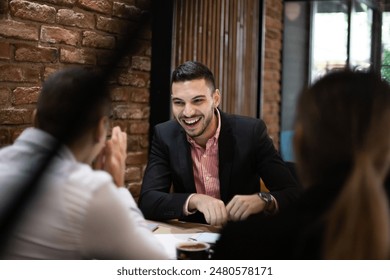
35,119
217,98
101,129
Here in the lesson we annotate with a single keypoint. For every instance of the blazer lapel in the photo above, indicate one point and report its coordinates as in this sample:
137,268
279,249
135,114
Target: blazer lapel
183,156
226,155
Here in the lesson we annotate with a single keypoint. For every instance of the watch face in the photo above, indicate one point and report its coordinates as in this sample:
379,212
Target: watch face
266,197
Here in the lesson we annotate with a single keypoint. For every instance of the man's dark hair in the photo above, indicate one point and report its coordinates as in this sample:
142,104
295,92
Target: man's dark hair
72,101
193,70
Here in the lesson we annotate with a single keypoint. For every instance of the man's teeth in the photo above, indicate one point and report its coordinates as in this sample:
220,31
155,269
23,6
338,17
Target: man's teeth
192,121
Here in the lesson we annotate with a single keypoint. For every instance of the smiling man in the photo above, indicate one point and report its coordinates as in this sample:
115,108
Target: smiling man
205,166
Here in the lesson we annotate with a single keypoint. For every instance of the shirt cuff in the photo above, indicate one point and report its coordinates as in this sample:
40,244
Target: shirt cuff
185,207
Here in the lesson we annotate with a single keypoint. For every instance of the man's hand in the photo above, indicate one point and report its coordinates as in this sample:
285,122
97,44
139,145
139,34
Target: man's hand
242,206
113,157
213,209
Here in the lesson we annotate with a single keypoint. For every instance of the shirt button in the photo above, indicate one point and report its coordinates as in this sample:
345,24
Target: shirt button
204,156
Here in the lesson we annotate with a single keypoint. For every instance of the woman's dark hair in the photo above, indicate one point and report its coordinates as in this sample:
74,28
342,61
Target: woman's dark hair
193,70
71,102
343,141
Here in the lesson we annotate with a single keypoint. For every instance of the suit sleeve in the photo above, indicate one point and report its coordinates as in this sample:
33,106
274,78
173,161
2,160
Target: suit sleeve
273,170
157,202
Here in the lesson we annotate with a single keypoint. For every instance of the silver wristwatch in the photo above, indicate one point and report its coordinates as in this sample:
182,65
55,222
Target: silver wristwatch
267,199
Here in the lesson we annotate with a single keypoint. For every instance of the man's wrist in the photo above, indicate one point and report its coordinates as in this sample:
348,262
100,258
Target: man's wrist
186,208
270,203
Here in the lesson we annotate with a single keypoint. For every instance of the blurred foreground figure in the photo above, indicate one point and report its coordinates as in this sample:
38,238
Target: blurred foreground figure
77,212
342,148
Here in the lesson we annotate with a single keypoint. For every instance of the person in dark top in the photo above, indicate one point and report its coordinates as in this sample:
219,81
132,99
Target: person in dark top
342,149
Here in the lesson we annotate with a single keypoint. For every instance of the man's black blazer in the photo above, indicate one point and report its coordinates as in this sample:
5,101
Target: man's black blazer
246,154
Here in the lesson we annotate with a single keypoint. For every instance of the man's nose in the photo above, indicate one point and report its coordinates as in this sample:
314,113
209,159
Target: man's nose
188,110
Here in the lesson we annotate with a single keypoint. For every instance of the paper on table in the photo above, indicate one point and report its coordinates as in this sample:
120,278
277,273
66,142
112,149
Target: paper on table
208,237
169,241
152,226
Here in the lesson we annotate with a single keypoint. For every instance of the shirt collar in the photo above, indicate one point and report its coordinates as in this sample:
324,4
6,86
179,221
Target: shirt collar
45,141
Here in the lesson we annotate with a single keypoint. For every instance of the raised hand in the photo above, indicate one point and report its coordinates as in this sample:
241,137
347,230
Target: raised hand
113,157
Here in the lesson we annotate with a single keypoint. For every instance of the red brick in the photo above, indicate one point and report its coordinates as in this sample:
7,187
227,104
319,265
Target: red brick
121,123
126,94
72,18
15,116
275,4
123,10
133,174
62,2
49,70
4,96
5,50
272,75
273,34
15,132
139,128
80,56
274,12
141,63
130,111
133,143
135,189
112,25
96,40
32,11
140,95
102,6
136,158
273,23
35,54
121,94
25,95
144,141
272,65
136,79
19,30
58,35
272,54
146,112
15,73
271,108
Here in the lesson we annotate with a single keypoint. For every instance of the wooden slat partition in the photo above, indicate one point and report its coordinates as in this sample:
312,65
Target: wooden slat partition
224,35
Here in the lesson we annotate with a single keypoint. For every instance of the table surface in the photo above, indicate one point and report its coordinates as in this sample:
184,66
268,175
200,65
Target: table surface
172,232
175,226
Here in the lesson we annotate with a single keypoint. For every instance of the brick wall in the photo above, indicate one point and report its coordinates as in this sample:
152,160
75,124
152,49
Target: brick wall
39,37
272,67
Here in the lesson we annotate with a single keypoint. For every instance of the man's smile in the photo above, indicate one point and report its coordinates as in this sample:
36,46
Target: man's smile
191,121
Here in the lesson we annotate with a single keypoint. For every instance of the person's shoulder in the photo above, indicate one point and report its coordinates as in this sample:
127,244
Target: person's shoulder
241,119
242,124
88,179
170,124
169,129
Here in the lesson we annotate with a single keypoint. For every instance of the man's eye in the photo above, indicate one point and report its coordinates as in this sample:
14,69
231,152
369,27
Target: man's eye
178,103
197,101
